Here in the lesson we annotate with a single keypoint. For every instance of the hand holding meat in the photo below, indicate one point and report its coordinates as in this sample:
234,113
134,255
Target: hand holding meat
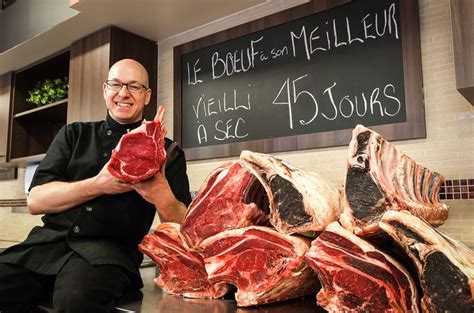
109,184
157,191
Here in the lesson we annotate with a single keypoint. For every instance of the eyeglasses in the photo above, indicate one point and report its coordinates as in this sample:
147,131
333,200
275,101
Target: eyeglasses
132,87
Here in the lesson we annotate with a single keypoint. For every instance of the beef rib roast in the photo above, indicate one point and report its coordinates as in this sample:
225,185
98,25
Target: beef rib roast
264,265
182,270
220,204
445,266
299,201
358,277
379,178
140,154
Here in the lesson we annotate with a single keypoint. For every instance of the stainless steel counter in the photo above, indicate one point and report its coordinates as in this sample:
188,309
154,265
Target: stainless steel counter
155,300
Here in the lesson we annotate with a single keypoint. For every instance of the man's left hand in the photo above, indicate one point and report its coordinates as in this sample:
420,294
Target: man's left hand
158,192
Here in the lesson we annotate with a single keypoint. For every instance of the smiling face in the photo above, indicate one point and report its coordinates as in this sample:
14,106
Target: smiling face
126,107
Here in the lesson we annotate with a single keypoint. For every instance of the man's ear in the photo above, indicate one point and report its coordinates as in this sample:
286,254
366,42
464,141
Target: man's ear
148,96
104,90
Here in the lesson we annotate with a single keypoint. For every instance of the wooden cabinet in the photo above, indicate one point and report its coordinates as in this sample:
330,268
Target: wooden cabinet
91,58
32,128
86,63
462,17
5,96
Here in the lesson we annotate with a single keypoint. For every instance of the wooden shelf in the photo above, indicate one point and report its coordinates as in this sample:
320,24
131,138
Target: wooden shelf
43,107
33,129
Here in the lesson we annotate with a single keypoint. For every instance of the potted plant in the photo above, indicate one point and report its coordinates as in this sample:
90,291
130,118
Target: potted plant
48,91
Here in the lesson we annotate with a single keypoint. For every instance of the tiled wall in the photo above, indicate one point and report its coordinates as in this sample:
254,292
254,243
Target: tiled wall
14,226
448,148
457,189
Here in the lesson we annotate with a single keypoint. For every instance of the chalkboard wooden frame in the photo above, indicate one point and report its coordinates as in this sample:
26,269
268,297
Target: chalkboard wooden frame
414,127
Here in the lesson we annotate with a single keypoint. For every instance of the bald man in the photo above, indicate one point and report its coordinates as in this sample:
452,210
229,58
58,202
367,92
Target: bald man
86,253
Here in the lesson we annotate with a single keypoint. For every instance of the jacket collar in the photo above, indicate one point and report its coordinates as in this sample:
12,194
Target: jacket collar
110,123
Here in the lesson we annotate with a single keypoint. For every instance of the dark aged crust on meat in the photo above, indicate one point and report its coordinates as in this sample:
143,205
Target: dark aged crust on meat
448,285
289,201
407,232
298,201
445,266
381,178
363,195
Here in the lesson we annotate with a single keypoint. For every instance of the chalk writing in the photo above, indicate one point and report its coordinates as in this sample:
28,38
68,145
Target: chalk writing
327,71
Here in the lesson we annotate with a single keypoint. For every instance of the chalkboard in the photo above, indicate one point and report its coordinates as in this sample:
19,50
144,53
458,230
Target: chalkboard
318,74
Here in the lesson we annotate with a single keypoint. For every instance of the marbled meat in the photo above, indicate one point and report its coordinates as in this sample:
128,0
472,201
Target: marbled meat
140,154
358,277
181,269
263,264
220,204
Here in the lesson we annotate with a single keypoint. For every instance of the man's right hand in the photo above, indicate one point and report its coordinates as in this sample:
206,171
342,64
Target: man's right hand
57,196
109,184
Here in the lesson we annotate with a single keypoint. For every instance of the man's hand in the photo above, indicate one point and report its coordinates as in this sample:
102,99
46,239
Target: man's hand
108,184
158,192
57,196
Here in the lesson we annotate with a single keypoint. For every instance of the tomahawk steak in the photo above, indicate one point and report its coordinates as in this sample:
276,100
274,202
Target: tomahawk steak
141,153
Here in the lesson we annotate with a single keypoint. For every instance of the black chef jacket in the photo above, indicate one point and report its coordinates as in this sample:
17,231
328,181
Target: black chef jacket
104,230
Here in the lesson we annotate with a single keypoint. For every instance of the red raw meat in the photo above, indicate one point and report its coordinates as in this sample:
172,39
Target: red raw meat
264,265
182,270
140,154
357,277
220,204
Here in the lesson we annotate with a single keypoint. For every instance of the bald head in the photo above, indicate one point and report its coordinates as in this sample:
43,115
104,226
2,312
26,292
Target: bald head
134,70
127,106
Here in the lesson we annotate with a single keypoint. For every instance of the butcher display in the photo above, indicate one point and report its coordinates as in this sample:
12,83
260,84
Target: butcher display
263,264
141,153
381,178
220,204
445,266
358,277
299,201
245,229
182,270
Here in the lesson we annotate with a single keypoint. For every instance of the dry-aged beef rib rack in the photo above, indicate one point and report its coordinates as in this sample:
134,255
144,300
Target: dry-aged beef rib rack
445,266
182,270
221,204
379,178
264,265
240,230
299,200
358,277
